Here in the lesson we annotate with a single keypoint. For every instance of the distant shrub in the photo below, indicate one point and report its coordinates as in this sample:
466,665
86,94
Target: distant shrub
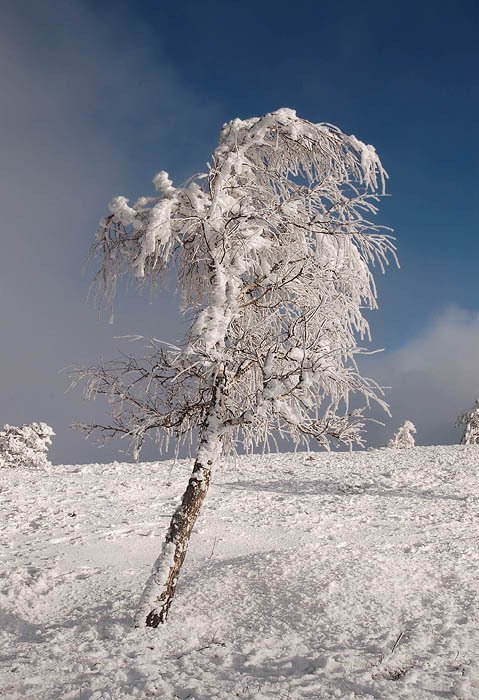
25,446
470,420
404,437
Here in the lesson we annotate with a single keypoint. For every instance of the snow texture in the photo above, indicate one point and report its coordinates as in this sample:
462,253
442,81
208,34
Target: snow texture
310,576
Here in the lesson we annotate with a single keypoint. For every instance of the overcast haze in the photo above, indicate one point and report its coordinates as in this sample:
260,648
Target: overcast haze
96,98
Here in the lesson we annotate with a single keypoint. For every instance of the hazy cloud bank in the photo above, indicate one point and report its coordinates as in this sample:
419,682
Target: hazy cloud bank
88,112
432,377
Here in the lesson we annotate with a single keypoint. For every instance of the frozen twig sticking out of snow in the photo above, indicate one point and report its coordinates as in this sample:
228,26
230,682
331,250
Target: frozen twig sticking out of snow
470,420
404,437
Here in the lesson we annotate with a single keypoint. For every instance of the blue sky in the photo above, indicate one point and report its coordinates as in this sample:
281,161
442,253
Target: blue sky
97,97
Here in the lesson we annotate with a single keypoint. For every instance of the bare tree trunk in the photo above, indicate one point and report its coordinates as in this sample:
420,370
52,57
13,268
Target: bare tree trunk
160,588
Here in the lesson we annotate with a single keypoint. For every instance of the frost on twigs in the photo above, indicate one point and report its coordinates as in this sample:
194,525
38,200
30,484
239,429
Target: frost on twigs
470,420
272,247
404,437
25,446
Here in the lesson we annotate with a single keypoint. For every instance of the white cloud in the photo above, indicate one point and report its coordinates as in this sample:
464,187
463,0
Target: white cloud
432,377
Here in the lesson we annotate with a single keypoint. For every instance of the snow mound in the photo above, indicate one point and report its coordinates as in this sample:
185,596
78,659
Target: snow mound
309,576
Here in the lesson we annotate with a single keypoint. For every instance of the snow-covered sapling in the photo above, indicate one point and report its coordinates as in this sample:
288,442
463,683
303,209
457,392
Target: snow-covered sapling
404,437
272,247
25,446
470,420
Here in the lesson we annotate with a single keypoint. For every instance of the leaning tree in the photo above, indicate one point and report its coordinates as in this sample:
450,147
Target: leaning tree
272,249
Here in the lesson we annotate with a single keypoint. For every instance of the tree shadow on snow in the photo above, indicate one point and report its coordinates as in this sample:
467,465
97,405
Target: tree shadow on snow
322,487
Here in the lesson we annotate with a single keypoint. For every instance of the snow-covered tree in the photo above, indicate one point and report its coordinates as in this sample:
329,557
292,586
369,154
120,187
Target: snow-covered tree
470,420
272,248
404,437
25,446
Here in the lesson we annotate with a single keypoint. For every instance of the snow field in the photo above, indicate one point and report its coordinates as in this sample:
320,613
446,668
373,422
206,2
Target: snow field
309,576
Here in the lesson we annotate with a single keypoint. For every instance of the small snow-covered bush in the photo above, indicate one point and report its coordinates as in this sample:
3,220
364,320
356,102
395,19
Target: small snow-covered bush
404,437
470,420
25,446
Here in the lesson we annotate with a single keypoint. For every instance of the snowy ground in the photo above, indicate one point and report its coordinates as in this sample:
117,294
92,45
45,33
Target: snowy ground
330,576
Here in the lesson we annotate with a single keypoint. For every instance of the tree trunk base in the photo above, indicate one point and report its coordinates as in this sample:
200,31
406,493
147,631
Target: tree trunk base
161,586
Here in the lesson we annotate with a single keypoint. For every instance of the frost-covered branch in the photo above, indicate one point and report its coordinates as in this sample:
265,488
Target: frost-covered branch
273,247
